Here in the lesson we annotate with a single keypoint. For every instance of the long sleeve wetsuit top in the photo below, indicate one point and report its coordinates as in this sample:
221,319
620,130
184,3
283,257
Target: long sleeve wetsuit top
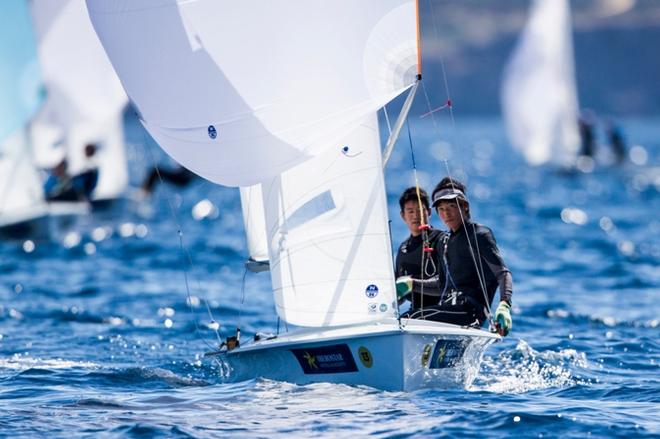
460,253
409,263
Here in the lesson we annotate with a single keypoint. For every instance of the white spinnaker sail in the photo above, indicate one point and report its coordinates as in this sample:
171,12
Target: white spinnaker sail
21,192
239,91
539,97
255,222
85,98
330,256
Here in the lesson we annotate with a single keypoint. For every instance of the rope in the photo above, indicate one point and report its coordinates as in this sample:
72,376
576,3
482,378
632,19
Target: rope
424,227
186,256
449,105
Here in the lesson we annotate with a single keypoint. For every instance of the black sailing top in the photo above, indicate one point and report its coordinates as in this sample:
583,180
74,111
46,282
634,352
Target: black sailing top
457,270
409,263
462,274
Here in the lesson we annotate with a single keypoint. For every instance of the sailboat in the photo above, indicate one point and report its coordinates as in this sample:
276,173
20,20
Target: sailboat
283,95
539,93
85,100
24,212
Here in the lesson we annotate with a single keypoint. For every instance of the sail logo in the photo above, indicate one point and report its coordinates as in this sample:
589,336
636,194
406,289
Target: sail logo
325,359
371,291
347,152
447,354
212,132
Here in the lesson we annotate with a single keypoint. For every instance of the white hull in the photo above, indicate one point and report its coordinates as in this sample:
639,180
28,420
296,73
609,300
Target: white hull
418,354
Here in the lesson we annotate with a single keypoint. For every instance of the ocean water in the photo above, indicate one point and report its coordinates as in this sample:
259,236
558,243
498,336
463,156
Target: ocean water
103,330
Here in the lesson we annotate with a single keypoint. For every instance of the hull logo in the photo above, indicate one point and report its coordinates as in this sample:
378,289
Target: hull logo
365,357
426,354
447,354
325,359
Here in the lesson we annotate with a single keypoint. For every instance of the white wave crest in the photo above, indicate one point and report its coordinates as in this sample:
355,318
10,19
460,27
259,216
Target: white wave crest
524,369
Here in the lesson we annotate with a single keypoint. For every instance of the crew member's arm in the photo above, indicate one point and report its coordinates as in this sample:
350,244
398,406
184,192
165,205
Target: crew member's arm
490,254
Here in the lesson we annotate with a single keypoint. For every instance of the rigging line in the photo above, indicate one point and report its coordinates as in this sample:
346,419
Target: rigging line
182,249
424,225
480,273
240,308
387,120
478,267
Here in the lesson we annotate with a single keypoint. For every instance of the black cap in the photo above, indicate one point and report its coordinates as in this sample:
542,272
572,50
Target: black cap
448,194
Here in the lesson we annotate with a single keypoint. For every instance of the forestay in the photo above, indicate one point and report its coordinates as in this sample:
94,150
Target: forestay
239,91
539,99
330,256
85,100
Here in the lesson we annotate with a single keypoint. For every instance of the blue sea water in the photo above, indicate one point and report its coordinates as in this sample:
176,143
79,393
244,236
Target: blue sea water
97,338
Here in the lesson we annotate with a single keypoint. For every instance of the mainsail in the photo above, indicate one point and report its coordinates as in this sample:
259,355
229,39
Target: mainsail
539,98
21,193
85,100
239,92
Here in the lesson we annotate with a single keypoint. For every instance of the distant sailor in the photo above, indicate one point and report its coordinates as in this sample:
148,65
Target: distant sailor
61,186
471,267
411,254
178,176
616,140
586,125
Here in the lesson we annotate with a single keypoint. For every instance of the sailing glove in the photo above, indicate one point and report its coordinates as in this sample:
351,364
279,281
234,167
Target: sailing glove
404,285
503,321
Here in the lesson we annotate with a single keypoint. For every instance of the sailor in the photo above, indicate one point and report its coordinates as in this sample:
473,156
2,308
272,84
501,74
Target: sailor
471,267
616,140
58,185
85,182
178,176
586,124
416,257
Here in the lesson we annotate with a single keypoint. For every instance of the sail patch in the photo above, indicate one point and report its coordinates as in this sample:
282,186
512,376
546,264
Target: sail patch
314,208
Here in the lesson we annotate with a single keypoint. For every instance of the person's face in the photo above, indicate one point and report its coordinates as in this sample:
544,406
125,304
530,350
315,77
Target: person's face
451,214
413,217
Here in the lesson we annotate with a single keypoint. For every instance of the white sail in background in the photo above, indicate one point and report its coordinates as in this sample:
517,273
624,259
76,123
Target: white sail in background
20,78
85,100
255,222
539,98
21,192
21,189
331,261
239,91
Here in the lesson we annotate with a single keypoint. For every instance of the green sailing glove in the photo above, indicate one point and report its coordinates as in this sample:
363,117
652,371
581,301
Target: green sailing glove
404,285
503,321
